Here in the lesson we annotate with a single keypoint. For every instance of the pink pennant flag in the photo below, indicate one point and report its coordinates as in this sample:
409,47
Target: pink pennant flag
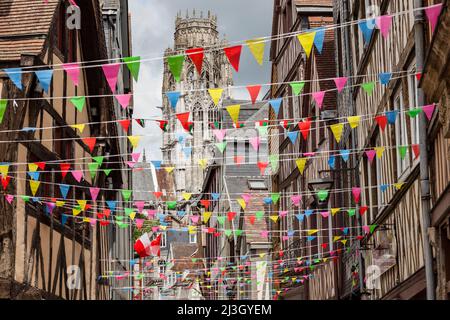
9,198
139,205
136,156
94,193
384,24
195,219
77,174
325,214
296,200
318,97
124,99
429,110
366,229
356,191
220,134
433,13
155,229
247,197
340,83
50,206
285,238
139,223
151,213
111,72
371,155
73,71
131,164
264,233
283,213
255,142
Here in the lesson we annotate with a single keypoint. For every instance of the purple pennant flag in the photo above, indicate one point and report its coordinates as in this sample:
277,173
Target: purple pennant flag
433,13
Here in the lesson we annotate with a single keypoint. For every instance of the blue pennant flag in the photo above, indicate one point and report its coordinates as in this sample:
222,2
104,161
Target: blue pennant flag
292,135
64,188
391,116
309,212
311,238
366,28
111,205
345,231
290,233
318,39
132,263
35,199
276,103
187,151
384,187
300,217
173,99
157,164
181,213
28,129
385,77
15,74
332,162
215,196
345,155
180,137
45,78
267,200
64,218
34,175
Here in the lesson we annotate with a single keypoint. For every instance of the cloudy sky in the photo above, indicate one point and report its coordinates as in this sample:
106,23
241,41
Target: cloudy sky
153,23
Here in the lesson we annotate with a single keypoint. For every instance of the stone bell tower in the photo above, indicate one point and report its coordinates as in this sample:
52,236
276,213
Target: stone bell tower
180,148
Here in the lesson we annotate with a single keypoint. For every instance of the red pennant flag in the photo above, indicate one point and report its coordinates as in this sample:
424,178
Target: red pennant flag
234,56
281,253
140,122
5,182
362,210
262,167
305,126
254,92
183,118
252,219
163,124
217,234
357,238
416,150
205,203
196,56
90,142
157,194
418,76
41,165
104,223
238,160
64,169
125,124
231,215
285,123
382,121
106,212
324,245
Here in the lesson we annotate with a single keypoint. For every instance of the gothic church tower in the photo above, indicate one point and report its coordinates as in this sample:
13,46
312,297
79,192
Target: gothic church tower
181,149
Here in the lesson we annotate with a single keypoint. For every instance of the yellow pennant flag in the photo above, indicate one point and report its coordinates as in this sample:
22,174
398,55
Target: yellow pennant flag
206,216
354,121
169,169
4,169
80,127
301,163
82,204
336,238
307,41
379,151
34,185
215,94
312,231
203,163
234,112
334,211
257,47
134,140
398,185
187,196
32,167
132,215
274,218
242,203
337,131
86,220
261,255
60,203
76,212
191,229
344,242
163,228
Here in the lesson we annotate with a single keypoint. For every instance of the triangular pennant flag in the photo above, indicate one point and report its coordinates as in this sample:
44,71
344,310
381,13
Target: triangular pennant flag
414,112
125,124
356,191
220,134
344,154
196,55
337,130
215,94
429,110
340,83
93,167
173,99
234,111
203,163
432,14
163,124
134,140
332,162
371,155
90,142
274,159
305,127
354,121
297,87
257,47
416,150
64,169
307,41
254,92
231,215
255,142
319,39
301,163
368,87
274,218
221,220
111,72
78,102
3,105
234,56
379,151
318,98
262,167
45,78
77,175
275,104
126,194
275,197
15,74
206,216
94,193
381,121
73,71
64,189
221,146
292,135
175,64
385,77
242,203
34,185
107,171
134,65
169,169
322,195
402,151
366,28
79,127
384,24
124,99
334,211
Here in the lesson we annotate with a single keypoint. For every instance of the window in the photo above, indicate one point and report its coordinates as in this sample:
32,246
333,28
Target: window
163,239
401,133
162,266
193,237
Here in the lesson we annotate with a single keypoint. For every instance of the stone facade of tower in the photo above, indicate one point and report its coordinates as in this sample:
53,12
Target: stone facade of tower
193,31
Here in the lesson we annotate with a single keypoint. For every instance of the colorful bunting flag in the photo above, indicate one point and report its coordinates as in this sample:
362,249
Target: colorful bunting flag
257,47
234,56
196,55
175,64
307,40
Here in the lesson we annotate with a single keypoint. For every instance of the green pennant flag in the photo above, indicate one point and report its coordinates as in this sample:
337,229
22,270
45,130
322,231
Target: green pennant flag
402,150
368,87
228,233
259,215
107,171
274,159
194,260
122,225
373,227
126,194
221,146
176,66
322,194
119,218
171,205
238,233
78,102
262,131
25,198
140,276
275,197
414,112
221,220
134,65
129,211
99,159
297,87
93,167
234,268
3,104
351,212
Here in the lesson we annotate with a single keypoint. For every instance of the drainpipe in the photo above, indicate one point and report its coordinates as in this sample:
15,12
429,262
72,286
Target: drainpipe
424,175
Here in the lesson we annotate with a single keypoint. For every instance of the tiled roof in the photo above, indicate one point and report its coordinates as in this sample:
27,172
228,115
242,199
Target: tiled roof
24,27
